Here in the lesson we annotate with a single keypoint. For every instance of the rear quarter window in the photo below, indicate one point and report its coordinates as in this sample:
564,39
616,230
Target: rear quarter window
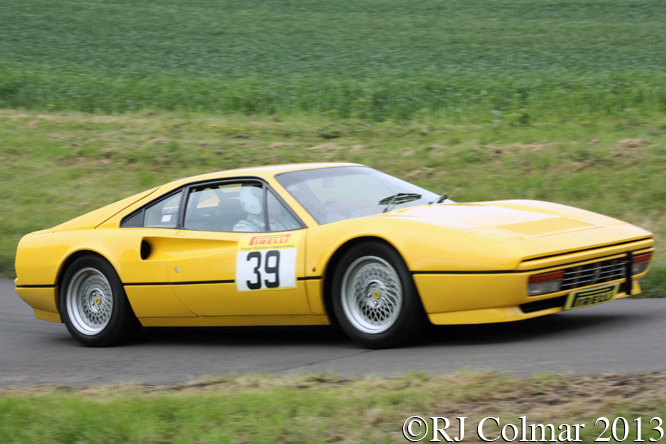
163,214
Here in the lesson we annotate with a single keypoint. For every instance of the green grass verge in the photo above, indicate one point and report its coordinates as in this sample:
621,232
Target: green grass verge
323,409
394,59
55,166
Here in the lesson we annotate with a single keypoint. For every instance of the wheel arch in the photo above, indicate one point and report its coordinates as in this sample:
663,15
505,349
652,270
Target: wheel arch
69,260
334,261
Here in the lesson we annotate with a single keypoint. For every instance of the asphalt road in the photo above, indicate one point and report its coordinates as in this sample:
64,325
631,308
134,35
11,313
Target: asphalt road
626,336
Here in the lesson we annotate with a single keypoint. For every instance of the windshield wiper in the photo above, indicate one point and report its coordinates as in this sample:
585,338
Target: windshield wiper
397,199
440,199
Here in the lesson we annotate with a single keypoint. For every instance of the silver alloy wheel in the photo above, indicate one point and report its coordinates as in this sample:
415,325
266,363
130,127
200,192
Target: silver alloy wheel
89,301
371,294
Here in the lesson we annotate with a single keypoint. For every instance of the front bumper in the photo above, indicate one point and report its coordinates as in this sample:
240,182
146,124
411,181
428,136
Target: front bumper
501,296
506,307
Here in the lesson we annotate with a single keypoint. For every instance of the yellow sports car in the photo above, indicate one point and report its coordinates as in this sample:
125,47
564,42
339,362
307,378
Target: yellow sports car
320,243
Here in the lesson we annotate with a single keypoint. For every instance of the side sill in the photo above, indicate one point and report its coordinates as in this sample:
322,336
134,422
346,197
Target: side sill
236,321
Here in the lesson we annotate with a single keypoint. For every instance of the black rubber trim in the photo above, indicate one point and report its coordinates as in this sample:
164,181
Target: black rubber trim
545,304
589,249
135,284
35,286
600,258
132,284
473,272
628,283
203,282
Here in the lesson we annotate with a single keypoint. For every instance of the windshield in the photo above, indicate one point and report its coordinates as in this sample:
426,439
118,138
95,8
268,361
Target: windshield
339,193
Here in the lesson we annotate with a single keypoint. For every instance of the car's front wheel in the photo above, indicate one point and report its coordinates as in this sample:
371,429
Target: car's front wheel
93,304
374,297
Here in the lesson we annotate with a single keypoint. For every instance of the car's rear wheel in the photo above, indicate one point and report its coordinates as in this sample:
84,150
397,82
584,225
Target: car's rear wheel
93,304
374,297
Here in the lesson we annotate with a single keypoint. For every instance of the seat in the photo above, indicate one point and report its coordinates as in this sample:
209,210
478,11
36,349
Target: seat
230,212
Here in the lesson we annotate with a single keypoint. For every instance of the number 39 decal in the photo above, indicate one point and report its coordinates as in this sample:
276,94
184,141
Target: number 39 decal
265,269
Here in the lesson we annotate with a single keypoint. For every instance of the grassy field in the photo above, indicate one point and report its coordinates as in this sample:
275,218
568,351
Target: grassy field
325,408
376,60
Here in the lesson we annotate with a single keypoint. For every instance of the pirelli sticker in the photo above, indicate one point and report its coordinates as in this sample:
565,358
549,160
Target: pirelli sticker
267,261
591,296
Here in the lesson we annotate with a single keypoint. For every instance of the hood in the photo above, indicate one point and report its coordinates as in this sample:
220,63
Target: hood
518,220
528,228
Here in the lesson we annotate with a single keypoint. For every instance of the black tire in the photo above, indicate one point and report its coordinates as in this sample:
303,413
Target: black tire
93,304
374,297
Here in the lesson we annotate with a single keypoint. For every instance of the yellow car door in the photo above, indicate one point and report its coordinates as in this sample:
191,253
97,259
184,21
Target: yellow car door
228,262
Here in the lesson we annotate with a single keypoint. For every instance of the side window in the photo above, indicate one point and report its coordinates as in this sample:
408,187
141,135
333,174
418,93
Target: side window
202,208
236,207
225,208
279,218
251,198
163,214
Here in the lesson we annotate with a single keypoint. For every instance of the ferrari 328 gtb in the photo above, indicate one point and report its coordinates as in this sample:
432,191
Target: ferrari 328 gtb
313,244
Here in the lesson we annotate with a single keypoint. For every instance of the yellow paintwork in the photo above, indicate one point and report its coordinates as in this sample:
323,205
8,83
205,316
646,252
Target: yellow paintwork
444,307
47,316
235,321
188,278
149,301
40,298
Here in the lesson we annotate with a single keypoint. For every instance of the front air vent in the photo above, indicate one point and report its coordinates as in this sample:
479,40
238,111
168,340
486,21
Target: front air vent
544,226
133,220
595,273
545,304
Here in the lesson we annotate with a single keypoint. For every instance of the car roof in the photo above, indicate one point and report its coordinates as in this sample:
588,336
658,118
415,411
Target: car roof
264,172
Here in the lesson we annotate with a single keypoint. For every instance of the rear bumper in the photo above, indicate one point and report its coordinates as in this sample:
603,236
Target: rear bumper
43,300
